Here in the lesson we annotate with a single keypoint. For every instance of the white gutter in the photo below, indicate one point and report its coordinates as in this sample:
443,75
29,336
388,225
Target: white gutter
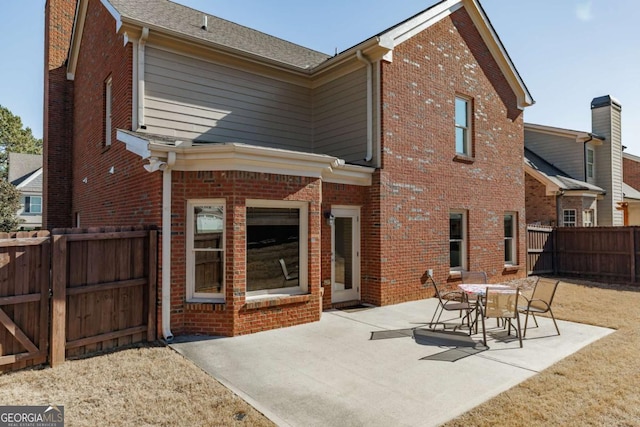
140,72
369,66
165,167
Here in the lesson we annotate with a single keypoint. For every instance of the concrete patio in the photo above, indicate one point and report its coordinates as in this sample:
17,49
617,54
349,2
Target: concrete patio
331,373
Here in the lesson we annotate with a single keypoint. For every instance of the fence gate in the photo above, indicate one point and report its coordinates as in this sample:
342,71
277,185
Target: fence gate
539,250
24,299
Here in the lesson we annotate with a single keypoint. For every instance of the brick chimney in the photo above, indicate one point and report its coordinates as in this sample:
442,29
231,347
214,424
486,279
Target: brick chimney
606,115
58,114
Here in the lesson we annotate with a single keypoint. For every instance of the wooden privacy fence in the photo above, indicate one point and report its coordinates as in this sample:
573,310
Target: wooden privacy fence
102,284
605,253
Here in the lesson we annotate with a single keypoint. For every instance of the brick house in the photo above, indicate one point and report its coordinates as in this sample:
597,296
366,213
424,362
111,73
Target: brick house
356,172
575,178
630,188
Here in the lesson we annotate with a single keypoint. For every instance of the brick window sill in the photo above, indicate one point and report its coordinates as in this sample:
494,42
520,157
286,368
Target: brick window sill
511,268
461,158
267,302
205,306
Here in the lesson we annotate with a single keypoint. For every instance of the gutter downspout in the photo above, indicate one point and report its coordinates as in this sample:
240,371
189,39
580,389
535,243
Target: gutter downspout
140,93
166,246
369,65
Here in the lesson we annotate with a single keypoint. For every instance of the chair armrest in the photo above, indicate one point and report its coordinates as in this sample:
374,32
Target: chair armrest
454,296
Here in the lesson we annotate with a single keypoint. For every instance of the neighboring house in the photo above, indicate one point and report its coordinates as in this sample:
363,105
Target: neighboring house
574,178
25,173
360,171
631,172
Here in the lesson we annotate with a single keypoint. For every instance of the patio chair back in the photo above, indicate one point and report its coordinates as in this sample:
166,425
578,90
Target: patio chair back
479,277
502,304
543,294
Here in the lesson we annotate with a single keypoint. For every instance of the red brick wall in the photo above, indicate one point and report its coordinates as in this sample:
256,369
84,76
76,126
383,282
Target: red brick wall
421,181
239,316
540,207
631,172
130,195
58,113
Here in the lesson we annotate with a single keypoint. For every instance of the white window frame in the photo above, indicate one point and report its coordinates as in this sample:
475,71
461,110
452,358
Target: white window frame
587,218
463,241
466,128
303,268
107,110
566,213
513,256
192,295
590,164
27,202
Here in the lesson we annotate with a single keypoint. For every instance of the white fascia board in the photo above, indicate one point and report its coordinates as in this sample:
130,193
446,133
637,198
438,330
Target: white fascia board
248,158
631,157
112,10
134,144
576,135
422,21
499,52
27,181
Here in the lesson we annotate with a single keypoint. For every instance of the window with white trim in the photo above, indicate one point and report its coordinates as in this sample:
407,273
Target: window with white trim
276,230
205,250
569,217
590,163
33,204
457,240
510,239
587,218
107,111
463,126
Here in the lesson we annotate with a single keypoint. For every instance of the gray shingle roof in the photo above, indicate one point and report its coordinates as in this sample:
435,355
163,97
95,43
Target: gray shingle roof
560,178
181,19
22,166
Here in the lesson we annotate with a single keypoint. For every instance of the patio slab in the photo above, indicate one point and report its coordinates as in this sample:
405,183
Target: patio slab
330,373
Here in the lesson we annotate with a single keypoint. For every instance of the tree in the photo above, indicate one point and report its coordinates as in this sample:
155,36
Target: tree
15,139
9,205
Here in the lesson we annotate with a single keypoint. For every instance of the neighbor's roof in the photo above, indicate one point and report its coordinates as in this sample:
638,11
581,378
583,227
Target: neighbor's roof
630,192
22,166
556,176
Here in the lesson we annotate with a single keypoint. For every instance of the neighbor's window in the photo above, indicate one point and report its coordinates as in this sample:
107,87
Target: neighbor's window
457,238
510,241
205,250
276,230
587,218
463,141
33,204
107,111
569,217
590,161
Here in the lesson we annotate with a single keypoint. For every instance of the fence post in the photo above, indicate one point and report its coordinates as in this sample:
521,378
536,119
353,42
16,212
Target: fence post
554,242
632,232
152,283
58,300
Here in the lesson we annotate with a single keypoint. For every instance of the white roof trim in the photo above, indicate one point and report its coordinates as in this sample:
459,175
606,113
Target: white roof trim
112,10
421,22
630,192
630,156
579,136
249,158
27,181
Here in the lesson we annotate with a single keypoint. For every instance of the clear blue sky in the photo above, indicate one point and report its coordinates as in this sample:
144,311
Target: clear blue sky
567,51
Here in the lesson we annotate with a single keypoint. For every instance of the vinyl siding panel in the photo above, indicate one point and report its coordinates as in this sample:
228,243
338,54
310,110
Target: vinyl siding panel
340,117
194,99
564,153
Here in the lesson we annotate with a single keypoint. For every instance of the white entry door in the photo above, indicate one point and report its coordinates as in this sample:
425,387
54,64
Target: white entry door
345,254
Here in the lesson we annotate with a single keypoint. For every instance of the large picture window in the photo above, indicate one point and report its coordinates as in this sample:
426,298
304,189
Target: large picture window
457,240
510,242
205,246
276,247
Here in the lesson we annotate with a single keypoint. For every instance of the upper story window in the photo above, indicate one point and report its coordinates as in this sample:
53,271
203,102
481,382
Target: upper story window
590,163
457,240
463,126
107,111
510,241
205,250
569,217
33,204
